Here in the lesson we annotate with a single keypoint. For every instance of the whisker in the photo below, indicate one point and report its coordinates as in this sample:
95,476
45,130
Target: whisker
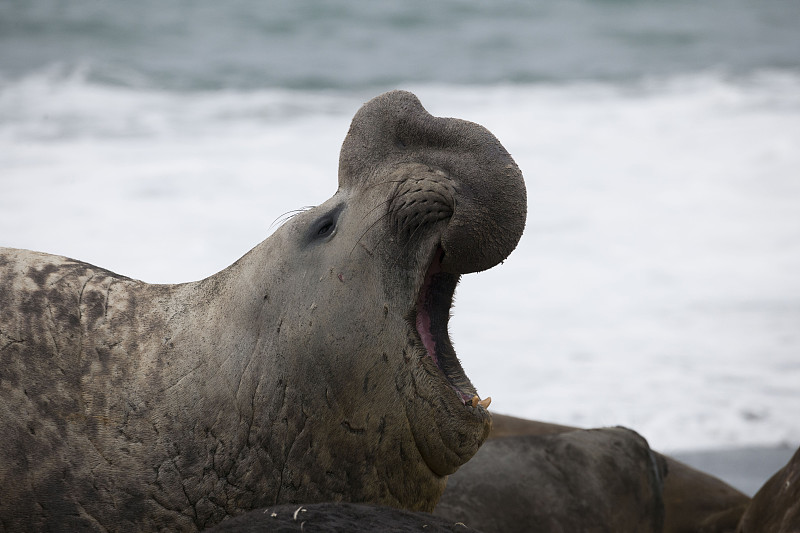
292,213
407,243
386,214
377,206
389,200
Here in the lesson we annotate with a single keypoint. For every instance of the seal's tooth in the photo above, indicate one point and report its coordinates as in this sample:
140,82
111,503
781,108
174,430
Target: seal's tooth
485,402
475,401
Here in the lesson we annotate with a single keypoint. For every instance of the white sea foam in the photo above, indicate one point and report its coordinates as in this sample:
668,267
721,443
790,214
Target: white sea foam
656,285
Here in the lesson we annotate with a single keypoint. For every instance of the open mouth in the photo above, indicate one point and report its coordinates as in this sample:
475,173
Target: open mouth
432,314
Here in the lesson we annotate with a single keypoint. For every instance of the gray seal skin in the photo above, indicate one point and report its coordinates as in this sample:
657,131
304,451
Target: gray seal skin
315,368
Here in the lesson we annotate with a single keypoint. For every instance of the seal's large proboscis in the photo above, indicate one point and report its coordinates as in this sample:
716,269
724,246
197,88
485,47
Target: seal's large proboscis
317,367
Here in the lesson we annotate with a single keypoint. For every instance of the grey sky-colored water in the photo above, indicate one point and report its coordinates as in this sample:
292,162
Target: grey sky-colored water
346,44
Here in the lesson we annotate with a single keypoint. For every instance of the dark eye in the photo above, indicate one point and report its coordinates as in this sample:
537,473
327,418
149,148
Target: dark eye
324,227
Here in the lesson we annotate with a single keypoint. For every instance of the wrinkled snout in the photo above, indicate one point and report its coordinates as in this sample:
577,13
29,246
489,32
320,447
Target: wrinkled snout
472,182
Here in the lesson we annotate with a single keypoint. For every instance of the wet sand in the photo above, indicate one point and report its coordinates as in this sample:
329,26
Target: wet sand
747,469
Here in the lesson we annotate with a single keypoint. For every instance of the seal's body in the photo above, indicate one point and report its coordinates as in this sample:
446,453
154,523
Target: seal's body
316,368
584,480
691,500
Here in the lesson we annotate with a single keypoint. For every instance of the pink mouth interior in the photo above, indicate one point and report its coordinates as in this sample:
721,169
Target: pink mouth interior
424,320
423,316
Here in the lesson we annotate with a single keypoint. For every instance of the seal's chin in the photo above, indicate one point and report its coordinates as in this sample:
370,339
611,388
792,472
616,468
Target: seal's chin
431,317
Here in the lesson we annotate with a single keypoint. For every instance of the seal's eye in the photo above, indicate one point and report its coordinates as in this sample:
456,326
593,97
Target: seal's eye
324,227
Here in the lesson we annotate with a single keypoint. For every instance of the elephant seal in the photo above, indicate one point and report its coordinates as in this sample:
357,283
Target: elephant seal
693,500
584,480
337,518
316,368
776,505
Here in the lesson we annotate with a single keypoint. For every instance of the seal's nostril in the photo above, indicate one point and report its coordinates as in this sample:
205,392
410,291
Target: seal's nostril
423,197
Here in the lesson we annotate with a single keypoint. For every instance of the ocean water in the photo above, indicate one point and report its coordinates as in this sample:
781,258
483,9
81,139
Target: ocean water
657,284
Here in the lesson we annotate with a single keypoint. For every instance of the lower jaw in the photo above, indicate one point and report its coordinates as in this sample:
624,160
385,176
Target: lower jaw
448,430
456,441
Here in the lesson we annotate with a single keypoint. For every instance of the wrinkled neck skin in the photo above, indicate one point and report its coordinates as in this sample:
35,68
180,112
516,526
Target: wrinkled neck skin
331,369
333,393
313,404
323,384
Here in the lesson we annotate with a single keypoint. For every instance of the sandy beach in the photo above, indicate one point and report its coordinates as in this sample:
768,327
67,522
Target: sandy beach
744,468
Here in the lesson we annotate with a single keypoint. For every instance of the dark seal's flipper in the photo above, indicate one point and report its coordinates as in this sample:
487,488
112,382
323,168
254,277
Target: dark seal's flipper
338,518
